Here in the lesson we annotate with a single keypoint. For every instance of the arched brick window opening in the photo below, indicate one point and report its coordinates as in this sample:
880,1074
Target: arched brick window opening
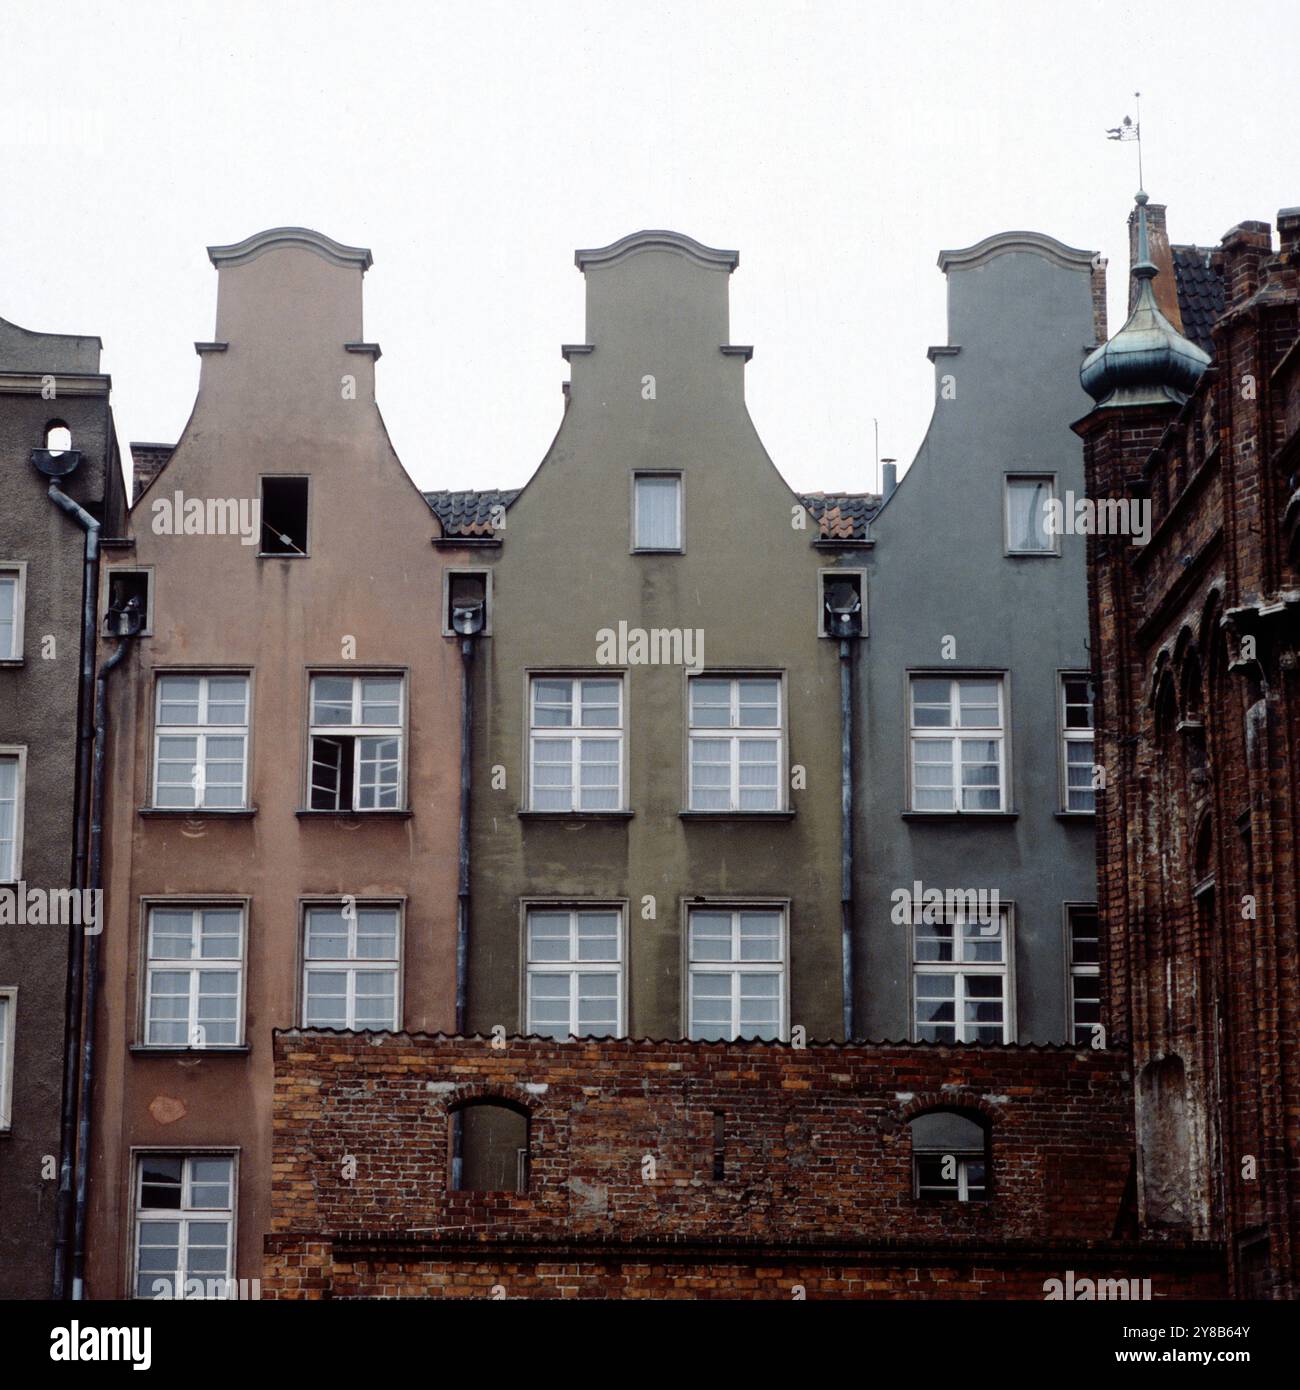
951,1156
488,1144
58,437
1164,1143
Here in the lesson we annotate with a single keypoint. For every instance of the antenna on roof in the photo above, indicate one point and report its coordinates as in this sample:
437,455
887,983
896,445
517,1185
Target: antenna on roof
1129,129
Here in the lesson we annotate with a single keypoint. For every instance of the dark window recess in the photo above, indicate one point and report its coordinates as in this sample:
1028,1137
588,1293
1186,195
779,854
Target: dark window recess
333,768
494,1149
128,599
950,1157
842,605
284,516
719,1146
466,603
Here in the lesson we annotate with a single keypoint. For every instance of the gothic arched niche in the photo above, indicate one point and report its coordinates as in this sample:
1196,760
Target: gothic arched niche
1164,1144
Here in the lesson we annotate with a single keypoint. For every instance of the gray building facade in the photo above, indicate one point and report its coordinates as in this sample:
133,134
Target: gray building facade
974,765
52,394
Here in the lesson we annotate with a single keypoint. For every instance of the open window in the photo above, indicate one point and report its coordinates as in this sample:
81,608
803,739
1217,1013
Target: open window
950,1157
130,603
489,1147
284,516
356,738
467,603
842,608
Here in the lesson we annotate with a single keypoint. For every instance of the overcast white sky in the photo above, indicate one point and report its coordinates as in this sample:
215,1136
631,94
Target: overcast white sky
473,146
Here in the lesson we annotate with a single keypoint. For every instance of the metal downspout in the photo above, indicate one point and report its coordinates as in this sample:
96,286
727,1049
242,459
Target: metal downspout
846,830
77,936
462,881
91,964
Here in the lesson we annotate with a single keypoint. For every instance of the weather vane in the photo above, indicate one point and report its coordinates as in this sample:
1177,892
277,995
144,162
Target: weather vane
1131,130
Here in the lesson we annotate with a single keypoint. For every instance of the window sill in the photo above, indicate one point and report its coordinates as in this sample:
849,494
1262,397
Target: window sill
152,1050
197,812
1076,815
735,815
959,815
525,814
276,555
11,661
1032,554
308,813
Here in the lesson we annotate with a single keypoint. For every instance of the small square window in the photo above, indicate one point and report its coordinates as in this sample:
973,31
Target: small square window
467,603
130,594
1027,515
657,511
284,516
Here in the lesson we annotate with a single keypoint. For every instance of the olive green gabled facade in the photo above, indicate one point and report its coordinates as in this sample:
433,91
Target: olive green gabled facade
656,387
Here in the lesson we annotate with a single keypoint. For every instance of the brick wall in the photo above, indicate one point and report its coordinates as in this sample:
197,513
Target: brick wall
1195,641
815,1163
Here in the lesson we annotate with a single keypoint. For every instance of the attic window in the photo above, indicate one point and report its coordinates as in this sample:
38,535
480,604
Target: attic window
464,592
657,511
284,516
127,587
841,611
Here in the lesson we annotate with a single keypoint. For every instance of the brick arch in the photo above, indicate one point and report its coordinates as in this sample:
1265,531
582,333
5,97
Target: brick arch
489,1092
964,1102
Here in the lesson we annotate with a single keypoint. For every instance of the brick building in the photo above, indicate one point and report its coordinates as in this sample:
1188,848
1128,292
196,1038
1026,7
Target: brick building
1198,715
707,1170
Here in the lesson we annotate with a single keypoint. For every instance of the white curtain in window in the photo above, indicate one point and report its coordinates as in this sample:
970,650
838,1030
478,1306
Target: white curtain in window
657,514
1027,514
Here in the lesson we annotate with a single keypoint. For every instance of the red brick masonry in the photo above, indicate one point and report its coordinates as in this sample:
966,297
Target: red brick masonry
816,1185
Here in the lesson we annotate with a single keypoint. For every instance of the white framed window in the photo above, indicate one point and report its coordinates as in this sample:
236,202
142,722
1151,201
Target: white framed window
8,1022
657,511
964,769
13,767
736,743
575,743
949,1158
736,972
351,965
960,979
355,732
184,1225
1027,531
201,742
1084,941
13,596
1075,705
194,975
575,972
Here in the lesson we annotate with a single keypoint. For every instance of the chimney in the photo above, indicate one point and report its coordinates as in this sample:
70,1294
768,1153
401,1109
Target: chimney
1288,231
147,461
888,478
1162,257
1239,260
